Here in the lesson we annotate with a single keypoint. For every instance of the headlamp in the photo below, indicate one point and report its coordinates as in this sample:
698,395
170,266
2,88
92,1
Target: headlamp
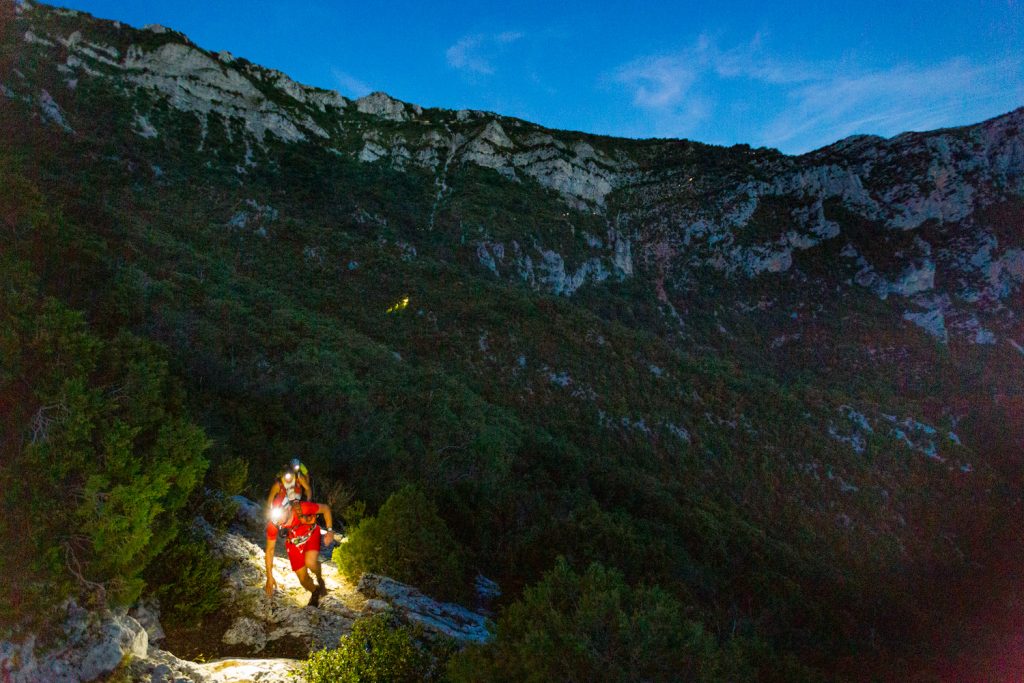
277,515
288,476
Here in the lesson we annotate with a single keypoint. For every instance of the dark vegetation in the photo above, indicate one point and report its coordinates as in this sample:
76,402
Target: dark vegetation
380,649
595,627
407,541
699,511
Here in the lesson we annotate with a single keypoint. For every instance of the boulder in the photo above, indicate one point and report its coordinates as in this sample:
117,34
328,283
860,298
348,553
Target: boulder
93,646
147,613
250,671
116,639
383,105
444,618
250,513
246,631
486,589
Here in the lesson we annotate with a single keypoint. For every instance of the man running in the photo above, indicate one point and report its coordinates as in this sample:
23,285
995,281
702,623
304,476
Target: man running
291,484
298,521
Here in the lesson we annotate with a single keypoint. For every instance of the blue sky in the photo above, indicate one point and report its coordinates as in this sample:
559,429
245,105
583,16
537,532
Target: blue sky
790,74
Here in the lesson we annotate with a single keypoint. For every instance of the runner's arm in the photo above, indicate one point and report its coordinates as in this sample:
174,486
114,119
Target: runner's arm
325,510
269,558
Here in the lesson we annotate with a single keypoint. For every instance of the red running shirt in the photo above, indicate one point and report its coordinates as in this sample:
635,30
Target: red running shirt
295,526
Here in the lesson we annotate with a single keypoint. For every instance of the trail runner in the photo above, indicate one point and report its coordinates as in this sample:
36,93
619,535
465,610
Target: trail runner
297,521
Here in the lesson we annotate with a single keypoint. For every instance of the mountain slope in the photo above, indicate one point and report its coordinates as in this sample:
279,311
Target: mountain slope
783,387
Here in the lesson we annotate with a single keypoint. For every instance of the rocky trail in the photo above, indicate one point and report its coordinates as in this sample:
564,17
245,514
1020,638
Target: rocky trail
252,639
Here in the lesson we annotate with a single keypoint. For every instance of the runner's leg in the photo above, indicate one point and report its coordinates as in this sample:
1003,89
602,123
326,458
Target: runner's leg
305,579
313,564
317,568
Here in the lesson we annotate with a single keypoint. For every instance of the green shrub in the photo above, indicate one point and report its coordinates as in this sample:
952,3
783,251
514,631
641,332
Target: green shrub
409,542
376,651
214,501
215,506
186,579
354,513
591,627
100,460
229,475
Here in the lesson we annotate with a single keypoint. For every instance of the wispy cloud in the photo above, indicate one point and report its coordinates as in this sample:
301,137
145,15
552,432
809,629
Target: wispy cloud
888,101
659,83
800,106
349,84
476,53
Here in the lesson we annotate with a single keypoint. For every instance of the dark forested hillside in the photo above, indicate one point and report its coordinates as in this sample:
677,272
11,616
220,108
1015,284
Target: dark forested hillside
779,394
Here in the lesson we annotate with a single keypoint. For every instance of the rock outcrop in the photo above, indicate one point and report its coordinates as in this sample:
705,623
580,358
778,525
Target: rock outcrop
386,107
204,83
444,618
92,645
89,645
676,222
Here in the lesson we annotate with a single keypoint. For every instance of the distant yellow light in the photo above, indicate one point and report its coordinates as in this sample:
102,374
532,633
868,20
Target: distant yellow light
400,306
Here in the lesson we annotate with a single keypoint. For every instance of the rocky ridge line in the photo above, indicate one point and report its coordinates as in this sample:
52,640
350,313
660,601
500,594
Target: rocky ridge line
671,221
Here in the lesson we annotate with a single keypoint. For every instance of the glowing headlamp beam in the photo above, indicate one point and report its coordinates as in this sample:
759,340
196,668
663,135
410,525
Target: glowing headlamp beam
400,306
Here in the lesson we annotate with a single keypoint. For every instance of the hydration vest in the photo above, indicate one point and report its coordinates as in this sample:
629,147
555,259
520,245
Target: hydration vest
291,491
306,523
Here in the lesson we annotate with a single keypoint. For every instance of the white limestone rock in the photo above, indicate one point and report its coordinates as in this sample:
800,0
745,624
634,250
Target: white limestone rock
314,97
246,631
143,128
548,271
147,613
383,105
679,432
915,279
31,37
933,322
946,203
192,81
236,670
974,330
325,100
758,259
52,112
372,151
552,275
583,182
486,258
445,618
163,667
91,645
1006,273
486,589
255,217
259,620
119,637
494,135
622,253
464,115
250,514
